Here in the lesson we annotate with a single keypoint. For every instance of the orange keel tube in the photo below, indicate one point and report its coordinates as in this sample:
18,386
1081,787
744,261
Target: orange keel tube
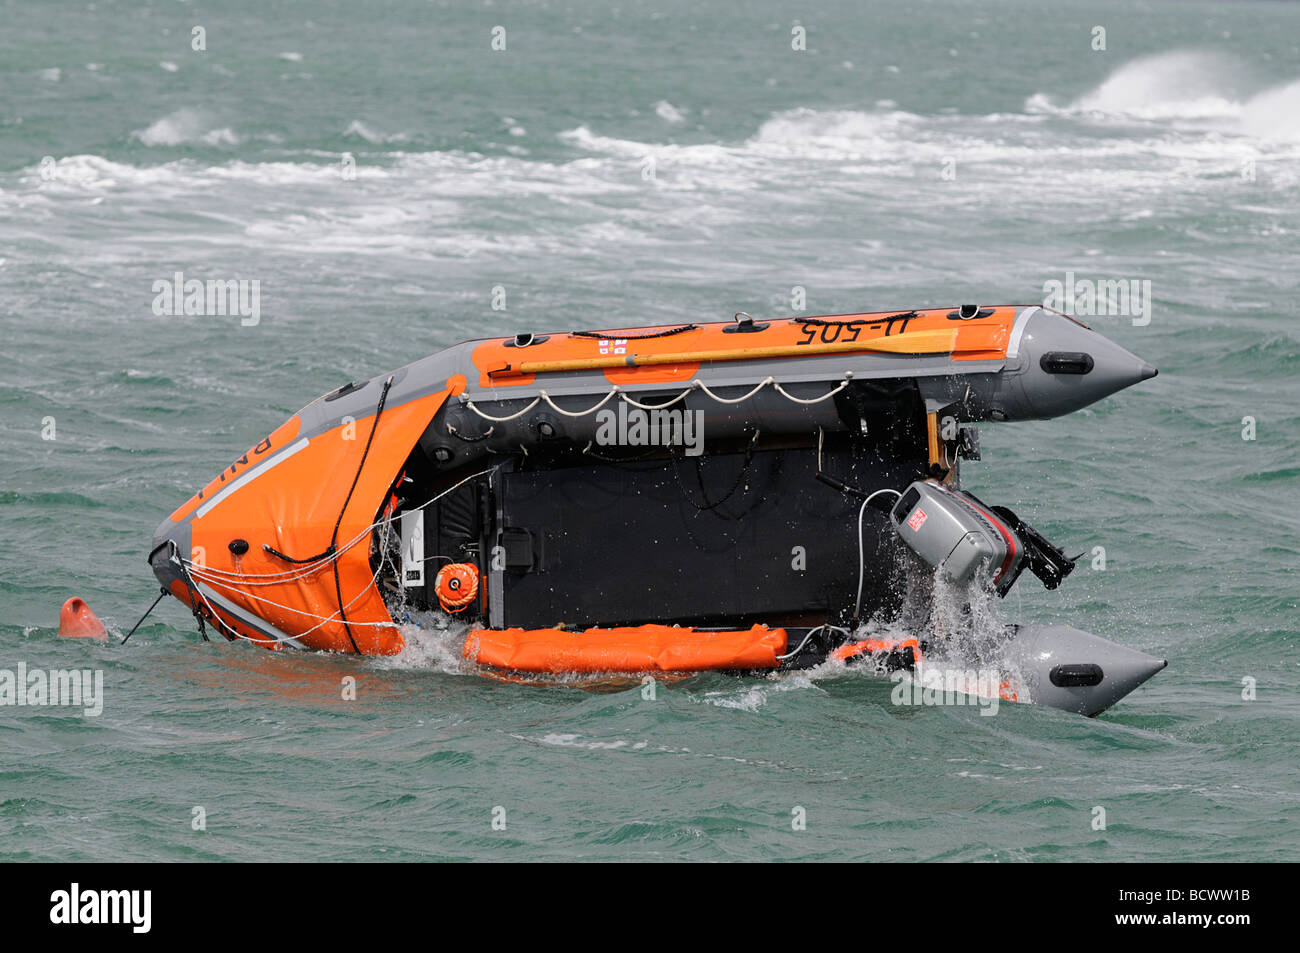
643,648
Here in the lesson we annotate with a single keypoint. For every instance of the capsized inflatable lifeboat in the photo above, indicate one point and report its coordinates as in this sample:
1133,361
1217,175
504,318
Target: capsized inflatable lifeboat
740,496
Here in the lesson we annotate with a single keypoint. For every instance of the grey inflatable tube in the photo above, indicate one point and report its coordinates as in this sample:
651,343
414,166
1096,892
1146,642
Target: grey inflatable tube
1067,668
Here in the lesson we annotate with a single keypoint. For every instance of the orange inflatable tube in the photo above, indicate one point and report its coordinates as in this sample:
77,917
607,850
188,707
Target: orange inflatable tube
304,604
871,646
642,648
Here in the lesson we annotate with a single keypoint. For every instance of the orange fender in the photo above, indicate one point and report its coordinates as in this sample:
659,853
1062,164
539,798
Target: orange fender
643,648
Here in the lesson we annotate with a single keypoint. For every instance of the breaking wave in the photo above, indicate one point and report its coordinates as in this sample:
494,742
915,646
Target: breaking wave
1189,85
1274,113
1177,85
359,130
186,127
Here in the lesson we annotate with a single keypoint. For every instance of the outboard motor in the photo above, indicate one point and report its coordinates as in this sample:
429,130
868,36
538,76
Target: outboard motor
957,533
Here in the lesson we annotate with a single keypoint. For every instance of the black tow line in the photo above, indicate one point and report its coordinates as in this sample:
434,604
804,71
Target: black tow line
145,616
332,549
334,539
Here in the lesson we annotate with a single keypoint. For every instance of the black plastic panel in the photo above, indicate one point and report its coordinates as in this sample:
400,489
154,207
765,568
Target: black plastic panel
636,543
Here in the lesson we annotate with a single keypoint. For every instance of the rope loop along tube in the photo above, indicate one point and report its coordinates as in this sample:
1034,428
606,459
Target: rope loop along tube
697,384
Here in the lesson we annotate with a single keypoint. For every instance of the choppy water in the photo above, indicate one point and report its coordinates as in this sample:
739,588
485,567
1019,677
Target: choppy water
1173,156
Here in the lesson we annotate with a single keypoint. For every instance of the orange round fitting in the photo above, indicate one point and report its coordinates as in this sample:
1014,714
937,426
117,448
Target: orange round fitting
456,585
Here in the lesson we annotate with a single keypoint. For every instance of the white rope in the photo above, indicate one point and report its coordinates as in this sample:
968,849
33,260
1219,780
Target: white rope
582,413
862,559
815,400
811,633
696,384
280,578
734,400
283,577
287,576
267,579
337,616
503,420
233,581
268,640
664,406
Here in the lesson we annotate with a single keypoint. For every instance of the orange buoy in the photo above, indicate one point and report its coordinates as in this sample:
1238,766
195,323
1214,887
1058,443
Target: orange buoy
77,621
456,585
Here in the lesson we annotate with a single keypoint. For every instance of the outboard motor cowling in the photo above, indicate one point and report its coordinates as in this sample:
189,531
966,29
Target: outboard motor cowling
957,532
953,532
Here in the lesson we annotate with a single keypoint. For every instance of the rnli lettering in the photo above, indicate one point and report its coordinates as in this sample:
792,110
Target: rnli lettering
246,460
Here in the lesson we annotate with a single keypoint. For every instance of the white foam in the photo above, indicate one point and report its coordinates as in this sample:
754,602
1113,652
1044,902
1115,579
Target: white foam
668,112
584,138
837,134
359,130
221,137
415,203
433,642
1177,84
185,175
752,697
1191,87
750,700
185,126
575,741
1041,103
1274,113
